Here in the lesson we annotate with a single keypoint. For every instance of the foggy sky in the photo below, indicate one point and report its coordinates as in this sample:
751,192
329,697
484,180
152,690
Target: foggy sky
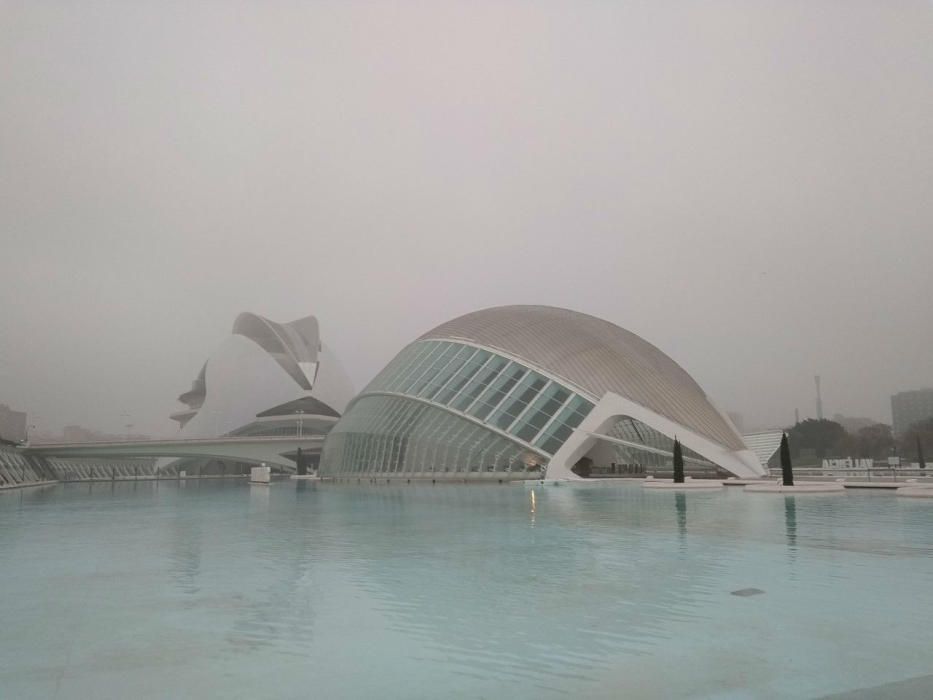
745,184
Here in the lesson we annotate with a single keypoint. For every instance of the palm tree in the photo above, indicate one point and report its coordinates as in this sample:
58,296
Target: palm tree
678,463
786,470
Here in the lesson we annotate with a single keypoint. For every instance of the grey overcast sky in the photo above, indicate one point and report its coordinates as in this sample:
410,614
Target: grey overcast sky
745,184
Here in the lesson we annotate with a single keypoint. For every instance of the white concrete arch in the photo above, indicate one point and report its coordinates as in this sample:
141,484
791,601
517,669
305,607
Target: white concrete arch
612,406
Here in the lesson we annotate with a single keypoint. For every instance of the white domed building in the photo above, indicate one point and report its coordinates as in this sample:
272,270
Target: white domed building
530,392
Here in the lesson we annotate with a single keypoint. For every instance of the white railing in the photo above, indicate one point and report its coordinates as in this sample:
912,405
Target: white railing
867,474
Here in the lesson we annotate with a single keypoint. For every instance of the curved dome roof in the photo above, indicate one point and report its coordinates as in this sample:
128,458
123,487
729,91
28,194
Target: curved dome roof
594,356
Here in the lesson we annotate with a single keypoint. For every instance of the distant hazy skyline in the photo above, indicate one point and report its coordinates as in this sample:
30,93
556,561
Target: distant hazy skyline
746,185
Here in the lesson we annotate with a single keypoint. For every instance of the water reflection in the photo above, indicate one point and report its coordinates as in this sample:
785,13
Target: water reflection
259,498
790,521
280,615
461,570
334,588
185,552
681,502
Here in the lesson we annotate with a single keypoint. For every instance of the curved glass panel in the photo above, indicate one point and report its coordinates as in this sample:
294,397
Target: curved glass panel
474,411
392,435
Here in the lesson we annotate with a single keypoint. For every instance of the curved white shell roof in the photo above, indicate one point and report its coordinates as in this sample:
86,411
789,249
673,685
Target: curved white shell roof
261,365
294,345
596,357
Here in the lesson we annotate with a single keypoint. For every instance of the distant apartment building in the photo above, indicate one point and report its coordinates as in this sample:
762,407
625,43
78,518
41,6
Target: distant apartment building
12,424
909,407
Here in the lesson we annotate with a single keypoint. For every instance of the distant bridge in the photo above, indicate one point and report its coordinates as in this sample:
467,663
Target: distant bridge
240,449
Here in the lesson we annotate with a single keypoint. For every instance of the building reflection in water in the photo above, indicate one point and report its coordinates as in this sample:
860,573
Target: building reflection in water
185,554
281,614
480,563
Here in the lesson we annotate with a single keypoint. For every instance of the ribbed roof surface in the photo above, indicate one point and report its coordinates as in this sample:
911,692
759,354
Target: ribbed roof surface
595,356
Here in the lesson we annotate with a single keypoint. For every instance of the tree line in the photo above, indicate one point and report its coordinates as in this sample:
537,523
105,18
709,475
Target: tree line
827,439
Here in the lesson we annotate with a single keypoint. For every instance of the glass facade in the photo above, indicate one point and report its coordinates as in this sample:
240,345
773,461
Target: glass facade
392,435
446,407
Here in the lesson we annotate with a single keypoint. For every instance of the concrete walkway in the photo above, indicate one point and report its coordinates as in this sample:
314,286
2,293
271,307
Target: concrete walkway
847,484
26,485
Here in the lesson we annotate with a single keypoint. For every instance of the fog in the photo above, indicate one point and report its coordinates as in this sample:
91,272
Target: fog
745,184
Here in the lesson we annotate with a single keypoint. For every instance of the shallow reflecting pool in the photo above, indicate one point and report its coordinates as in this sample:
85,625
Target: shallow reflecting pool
168,590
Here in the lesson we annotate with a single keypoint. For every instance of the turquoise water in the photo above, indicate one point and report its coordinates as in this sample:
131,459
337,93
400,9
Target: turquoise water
199,590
